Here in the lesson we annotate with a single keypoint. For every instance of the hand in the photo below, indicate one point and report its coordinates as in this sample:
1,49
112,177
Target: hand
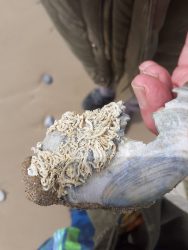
153,85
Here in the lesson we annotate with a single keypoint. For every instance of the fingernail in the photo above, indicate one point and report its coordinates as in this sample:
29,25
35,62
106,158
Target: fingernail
140,93
149,72
145,65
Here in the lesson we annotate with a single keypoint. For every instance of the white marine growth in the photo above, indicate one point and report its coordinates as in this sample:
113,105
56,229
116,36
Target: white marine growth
89,142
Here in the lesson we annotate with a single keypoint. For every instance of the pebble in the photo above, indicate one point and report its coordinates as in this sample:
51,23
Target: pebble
49,121
47,79
2,195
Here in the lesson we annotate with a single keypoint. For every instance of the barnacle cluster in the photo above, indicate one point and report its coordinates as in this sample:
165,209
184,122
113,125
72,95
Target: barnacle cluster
89,142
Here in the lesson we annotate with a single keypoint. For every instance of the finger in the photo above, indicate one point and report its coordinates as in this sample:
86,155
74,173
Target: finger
153,69
151,94
180,74
183,58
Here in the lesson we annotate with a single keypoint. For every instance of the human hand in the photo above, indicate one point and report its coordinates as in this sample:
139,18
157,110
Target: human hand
153,85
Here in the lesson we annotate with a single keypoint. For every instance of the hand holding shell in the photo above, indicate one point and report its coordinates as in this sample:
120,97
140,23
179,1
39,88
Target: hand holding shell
86,161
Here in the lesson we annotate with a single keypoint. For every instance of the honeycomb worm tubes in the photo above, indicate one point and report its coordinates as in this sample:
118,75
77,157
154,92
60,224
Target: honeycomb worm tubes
85,161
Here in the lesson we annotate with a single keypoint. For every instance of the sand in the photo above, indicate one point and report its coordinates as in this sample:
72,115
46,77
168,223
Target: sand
30,47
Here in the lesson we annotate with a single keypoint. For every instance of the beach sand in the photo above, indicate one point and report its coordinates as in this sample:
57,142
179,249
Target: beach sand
30,47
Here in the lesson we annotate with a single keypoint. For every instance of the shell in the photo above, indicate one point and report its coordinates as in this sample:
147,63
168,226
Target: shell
139,174
77,146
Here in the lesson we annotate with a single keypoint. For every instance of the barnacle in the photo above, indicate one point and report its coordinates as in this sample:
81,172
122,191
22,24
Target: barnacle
85,143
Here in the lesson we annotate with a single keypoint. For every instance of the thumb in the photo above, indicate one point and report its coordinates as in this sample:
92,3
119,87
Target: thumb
180,74
151,94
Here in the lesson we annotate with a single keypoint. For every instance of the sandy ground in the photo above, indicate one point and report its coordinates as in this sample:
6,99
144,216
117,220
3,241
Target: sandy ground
29,47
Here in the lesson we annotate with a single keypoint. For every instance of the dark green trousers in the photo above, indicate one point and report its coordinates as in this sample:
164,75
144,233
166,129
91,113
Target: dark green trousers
112,37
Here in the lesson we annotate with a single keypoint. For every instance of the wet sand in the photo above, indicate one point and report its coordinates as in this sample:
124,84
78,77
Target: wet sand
29,47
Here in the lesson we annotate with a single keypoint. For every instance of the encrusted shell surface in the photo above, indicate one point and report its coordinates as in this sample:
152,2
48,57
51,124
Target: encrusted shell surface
77,146
136,176
142,173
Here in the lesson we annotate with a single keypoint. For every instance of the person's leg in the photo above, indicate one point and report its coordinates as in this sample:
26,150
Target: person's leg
172,35
93,30
81,24
111,30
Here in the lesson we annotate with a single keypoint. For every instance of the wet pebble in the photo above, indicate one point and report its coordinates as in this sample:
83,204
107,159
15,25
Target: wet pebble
2,195
49,121
47,79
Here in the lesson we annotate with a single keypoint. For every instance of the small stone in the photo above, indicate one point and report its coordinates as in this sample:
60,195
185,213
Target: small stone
47,79
49,121
2,195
